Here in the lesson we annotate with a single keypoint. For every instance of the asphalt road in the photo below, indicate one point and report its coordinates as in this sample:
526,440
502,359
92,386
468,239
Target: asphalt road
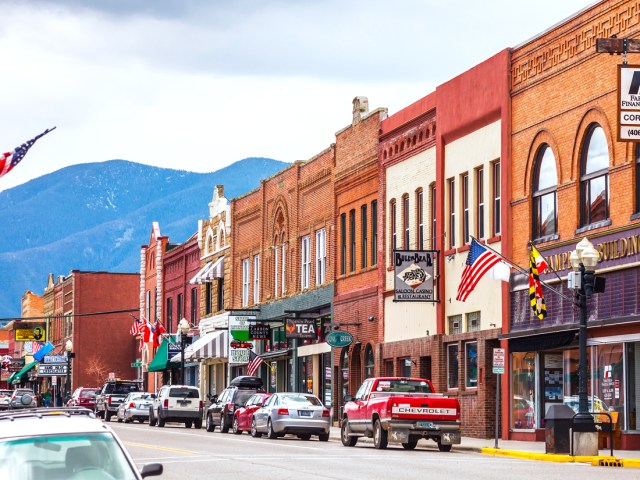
196,454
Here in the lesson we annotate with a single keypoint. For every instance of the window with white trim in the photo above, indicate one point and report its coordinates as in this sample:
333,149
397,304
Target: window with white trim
321,256
276,271
455,324
256,279
246,281
473,321
465,209
305,255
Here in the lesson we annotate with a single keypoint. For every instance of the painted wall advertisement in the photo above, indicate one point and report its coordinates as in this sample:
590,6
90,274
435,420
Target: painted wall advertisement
239,332
413,280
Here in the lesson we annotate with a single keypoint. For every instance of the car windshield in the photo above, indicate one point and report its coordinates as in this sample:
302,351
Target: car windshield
183,393
298,400
402,386
88,394
122,388
69,456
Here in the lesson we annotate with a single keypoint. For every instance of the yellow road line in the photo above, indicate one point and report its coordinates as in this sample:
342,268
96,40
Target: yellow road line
156,447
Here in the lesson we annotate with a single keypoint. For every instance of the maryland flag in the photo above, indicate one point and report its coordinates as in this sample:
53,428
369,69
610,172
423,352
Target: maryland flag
537,264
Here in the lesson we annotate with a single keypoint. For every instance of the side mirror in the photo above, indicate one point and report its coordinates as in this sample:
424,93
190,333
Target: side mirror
348,398
151,470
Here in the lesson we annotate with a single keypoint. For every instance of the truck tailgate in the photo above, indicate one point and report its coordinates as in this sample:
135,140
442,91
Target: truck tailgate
431,408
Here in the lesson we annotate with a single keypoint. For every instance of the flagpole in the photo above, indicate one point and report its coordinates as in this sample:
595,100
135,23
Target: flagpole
526,272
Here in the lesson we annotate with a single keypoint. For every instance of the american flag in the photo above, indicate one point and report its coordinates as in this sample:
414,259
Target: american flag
254,363
11,159
136,328
35,346
479,261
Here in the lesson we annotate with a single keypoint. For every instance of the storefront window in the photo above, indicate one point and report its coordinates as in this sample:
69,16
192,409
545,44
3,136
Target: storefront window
523,382
326,363
633,387
452,366
344,373
609,381
471,364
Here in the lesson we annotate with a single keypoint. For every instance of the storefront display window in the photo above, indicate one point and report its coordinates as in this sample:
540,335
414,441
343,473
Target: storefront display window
368,362
633,386
344,373
326,363
609,381
523,390
471,364
452,366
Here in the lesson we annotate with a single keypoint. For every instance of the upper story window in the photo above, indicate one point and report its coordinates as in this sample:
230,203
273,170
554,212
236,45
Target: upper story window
432,195
594,179
321,256
256,279
394,233
246,279
480,231
352,240
465,208
452,213
545,195
497,204
276,271
343,243
419,220
374,232
364,236
405,222
305,255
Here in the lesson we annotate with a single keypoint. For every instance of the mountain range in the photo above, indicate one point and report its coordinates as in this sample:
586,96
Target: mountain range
95,217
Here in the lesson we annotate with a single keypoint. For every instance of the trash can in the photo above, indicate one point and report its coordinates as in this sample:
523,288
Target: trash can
557,426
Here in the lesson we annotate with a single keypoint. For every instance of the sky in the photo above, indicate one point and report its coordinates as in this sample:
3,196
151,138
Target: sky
200,84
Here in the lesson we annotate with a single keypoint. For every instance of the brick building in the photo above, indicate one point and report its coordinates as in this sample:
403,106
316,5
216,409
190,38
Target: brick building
355,304
573,179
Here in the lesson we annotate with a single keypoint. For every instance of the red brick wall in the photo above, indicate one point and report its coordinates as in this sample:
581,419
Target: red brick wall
180,265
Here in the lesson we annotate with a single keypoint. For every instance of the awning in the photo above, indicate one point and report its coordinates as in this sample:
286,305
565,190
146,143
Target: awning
210,271
21,376
160,360
212,345
11,378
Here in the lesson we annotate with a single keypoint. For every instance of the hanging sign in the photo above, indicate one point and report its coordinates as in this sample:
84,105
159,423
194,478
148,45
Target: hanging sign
628,103
413,275
259,332
238,336
301,328
339,339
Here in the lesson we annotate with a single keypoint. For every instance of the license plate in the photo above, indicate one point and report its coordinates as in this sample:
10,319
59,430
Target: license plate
305,413
184,402
145,405
425,424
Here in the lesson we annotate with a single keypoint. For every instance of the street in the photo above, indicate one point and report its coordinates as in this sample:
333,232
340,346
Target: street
196,454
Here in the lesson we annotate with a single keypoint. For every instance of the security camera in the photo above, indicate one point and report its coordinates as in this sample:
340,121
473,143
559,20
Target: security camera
372,318
335,327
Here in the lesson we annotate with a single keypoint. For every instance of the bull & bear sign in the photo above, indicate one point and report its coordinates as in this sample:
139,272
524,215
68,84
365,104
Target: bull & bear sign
413,275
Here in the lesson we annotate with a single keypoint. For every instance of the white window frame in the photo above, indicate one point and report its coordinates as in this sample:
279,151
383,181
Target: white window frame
256,279
305,255
276,269
284,268
246,281
321,256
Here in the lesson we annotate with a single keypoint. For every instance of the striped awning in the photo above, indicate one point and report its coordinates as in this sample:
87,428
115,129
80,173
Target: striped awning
212,345
210,271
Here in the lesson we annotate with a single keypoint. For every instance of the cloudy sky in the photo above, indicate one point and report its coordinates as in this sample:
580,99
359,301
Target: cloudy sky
200,84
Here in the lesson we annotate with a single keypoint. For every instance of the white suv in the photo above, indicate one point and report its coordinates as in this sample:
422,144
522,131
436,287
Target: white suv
177,403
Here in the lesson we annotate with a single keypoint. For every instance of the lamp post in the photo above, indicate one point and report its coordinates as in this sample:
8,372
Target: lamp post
183,329
68,346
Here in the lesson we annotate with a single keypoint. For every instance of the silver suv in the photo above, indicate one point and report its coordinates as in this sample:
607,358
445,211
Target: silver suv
23,398
63,443
177,403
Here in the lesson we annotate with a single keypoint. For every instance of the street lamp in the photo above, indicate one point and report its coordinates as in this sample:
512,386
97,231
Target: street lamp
69,348
583,261
183,329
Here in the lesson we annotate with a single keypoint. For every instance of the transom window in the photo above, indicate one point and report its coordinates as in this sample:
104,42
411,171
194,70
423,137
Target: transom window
545,195
594,180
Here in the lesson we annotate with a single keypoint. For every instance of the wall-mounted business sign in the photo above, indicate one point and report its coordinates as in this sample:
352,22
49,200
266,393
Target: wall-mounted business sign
238,335
259,332
301,328
628,103
37,333
339,339
413,275
51,369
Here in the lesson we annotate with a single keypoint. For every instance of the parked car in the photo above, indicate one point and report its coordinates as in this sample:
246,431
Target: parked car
5,398
177,403
22,398
244,415
135,406
111,396
63,443
220,412
300,414
84,397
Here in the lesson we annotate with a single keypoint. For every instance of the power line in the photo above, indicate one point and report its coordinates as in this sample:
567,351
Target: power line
19,319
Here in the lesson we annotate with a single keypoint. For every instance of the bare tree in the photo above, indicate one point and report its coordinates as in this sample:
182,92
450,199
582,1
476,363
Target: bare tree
96,368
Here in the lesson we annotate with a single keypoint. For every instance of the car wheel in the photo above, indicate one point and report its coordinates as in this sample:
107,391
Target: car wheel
107,416
140,420
347,440
188,423
323,437
152,419
119,419
254,429
210,425
224,428
380,440
197,423
444,448
236,427
161,420
304,436
270,433
410,445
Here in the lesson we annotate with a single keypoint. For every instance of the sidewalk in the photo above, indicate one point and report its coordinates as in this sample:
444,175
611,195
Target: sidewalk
533,451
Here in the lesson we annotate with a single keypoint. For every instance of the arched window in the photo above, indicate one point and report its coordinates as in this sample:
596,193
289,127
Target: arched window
594,178
545,195
344,373
368,362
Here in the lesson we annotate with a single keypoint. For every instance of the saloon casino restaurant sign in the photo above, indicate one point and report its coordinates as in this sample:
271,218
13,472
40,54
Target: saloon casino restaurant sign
414,274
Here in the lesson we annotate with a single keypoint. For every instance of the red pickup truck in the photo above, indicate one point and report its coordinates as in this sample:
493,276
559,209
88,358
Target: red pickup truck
400,410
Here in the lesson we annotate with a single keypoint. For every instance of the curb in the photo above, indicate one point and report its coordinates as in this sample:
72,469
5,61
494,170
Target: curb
596,461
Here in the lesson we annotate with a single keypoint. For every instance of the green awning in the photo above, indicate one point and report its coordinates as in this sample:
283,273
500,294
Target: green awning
21,376
161,359
11,378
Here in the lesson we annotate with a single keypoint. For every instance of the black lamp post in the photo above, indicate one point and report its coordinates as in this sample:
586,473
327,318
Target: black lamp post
183,329
583,261
69,348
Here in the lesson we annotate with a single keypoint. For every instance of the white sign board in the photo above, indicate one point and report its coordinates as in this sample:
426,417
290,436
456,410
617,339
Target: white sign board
51,369
498,360
239,332
628,103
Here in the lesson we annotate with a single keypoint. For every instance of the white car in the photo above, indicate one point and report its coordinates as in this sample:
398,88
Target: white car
177,403
5,398
135,406
63,443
